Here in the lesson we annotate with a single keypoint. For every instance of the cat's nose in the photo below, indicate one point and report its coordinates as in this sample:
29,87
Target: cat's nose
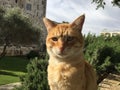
61,49
61,45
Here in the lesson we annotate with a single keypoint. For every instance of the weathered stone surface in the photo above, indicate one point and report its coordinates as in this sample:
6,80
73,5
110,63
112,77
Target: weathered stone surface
10,86
112,82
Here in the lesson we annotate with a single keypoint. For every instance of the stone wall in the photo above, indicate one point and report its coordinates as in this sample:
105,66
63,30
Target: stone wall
18,50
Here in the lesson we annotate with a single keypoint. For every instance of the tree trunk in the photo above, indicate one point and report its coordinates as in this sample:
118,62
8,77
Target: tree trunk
3,52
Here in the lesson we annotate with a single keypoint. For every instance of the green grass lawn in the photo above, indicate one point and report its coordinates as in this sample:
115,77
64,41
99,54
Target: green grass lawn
11,68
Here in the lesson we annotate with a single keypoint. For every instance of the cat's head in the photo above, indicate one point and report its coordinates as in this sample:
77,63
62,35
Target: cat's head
64,40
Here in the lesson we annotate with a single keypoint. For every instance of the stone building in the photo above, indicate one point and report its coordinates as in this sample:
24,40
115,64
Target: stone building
35,9
114,33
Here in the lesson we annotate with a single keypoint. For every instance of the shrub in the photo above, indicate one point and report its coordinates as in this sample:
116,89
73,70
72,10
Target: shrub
36,77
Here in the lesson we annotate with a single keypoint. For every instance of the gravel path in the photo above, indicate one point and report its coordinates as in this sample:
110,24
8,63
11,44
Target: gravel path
10,86
112,82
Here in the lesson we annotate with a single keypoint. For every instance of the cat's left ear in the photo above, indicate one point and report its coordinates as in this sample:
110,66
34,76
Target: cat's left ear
78,23
49,24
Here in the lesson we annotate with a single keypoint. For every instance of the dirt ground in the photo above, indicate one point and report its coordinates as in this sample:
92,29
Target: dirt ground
112,82
10,86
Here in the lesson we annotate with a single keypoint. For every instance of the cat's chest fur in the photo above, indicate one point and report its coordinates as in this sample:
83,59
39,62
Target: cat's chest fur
64,76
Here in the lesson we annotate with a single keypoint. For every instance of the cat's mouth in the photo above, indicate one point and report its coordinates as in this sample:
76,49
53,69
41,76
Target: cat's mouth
60,54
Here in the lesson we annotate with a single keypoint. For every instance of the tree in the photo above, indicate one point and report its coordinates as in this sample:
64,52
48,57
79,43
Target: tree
102,3
17,29
36,76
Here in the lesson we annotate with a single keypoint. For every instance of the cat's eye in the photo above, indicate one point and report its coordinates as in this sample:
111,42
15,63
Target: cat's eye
54,38
70,38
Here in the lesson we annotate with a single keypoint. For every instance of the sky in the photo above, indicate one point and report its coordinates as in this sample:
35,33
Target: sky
96,21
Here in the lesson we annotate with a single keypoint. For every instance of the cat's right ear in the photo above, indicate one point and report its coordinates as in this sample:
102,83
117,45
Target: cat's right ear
49,24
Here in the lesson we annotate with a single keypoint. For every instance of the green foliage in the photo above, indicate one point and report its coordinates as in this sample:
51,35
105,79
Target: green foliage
36,77
2,12
102,3
103,53
16,28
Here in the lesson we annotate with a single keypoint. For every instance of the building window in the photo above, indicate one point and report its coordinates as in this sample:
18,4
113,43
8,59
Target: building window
16,1
22,5
28,7
37,7
37,14
42,2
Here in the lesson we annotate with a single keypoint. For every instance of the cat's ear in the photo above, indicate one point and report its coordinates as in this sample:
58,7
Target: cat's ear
48,23
78,23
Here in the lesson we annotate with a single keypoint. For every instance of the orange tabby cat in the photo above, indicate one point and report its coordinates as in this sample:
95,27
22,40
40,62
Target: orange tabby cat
67,69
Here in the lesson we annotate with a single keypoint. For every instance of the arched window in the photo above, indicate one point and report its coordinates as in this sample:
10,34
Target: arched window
16,1
28,6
